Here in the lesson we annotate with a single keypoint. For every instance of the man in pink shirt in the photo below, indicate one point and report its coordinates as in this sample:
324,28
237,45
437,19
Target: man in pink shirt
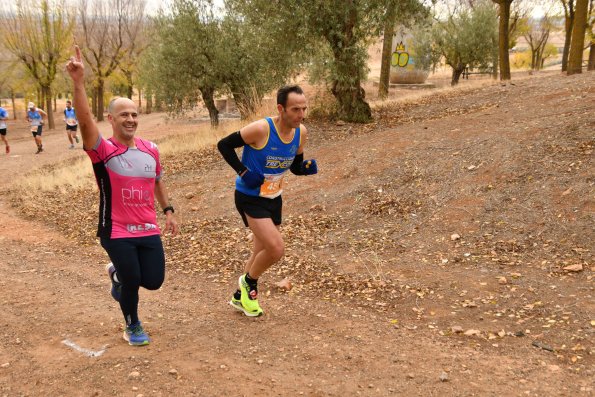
128,174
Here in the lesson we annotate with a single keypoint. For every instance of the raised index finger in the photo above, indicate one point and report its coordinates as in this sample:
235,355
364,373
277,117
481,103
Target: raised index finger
77,52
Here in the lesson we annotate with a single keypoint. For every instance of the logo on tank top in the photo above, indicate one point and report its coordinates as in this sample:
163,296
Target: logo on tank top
143,227
136,195
278,162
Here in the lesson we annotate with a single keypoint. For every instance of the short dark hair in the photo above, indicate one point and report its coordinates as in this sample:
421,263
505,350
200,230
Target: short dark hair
69,101
284,92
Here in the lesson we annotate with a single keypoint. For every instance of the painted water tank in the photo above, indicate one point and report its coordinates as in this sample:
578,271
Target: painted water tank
404,65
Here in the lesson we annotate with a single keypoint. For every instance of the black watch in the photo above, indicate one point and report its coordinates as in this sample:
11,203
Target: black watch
169,208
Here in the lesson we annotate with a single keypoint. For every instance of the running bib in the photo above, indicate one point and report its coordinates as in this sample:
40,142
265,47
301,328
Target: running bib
71,122
272,186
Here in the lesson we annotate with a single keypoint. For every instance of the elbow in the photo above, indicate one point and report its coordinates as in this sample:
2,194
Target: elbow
221,146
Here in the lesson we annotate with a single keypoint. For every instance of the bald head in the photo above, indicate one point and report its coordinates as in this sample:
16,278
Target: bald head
118,103
123,116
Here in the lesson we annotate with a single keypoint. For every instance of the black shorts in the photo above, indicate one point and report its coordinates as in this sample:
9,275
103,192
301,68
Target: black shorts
259,207
3,131
38,131
71,127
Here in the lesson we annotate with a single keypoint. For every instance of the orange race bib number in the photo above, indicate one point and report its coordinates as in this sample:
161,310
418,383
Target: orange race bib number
272,186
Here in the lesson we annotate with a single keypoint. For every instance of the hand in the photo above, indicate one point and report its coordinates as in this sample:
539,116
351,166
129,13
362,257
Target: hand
75,66
252,179
171,224
309,167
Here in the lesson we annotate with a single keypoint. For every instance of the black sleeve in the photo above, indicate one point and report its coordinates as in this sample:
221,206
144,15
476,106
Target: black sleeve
296,165
227,147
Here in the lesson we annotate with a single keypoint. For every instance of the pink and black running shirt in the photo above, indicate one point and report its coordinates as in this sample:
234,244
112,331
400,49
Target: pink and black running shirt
126,180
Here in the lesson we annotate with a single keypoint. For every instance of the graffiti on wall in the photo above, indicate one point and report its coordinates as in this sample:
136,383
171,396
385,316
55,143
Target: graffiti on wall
400,57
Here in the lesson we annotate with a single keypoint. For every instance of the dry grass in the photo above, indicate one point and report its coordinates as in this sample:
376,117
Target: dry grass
71,175
413,96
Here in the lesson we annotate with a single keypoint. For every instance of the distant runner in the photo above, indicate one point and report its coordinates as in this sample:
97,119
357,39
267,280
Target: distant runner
128,174
272,146
71,124
3,127
35,117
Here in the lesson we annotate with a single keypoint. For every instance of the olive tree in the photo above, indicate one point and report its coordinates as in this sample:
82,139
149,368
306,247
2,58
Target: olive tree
467,38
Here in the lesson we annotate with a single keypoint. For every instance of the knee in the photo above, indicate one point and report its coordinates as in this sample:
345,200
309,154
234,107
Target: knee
276,250
153,284
130,282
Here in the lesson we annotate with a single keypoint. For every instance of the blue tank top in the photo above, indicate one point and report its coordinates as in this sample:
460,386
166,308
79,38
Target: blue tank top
272,160
35,118
70,114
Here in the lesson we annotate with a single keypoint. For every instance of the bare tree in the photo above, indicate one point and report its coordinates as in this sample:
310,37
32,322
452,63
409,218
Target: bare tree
136,41
104,33
537,36
575,58
38,35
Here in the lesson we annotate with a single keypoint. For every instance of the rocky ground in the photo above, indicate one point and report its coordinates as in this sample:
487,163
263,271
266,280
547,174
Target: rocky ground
445,249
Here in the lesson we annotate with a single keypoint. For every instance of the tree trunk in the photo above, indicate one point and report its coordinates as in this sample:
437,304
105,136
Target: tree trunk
568,22
387,45
456,74
591,65
247,100
47,93
533,56
349,94
503,38
575,58
14,109
149,102
208,98
140,98
129,85
100,89
55,103
94,101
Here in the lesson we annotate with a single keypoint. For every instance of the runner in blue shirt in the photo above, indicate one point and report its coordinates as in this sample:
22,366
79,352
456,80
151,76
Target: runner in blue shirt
3,118
271,147
35,117
71,124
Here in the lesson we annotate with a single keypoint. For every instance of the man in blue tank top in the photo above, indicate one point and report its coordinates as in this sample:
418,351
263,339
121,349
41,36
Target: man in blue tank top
271,147
3,118
71,124
35,117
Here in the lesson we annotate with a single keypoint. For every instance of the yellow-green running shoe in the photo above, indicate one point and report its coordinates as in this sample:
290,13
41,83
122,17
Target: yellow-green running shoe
237,304
249,303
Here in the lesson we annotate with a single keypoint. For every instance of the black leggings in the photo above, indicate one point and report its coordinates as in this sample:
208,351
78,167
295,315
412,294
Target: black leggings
139,262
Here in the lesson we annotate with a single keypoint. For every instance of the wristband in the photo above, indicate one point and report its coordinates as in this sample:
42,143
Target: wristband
168,208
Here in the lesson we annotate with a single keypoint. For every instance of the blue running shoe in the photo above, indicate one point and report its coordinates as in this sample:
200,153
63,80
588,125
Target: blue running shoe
116,286
135,335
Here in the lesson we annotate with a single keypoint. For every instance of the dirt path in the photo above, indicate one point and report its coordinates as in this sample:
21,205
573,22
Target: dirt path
324,340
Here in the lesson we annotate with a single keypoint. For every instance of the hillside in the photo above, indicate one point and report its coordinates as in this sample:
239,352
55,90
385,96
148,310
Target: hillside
445,249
